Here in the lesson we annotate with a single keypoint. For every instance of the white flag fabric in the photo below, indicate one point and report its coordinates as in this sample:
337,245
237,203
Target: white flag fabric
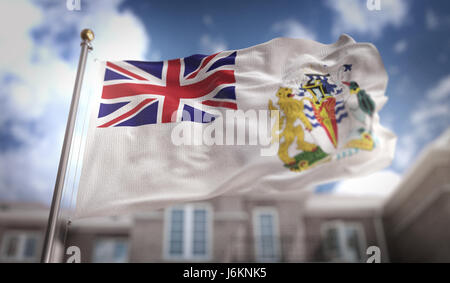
159,133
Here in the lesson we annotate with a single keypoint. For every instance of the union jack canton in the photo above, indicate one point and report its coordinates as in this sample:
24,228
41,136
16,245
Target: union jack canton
139,93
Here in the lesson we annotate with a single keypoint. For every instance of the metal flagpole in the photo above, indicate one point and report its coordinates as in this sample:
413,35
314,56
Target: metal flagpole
87,36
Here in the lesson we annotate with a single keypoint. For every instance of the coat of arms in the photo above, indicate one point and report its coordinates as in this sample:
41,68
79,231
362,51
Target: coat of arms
314,121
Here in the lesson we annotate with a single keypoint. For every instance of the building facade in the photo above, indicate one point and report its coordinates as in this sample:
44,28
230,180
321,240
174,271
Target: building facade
224,229
411,225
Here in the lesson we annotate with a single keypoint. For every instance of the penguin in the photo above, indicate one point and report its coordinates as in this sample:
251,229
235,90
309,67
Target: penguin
365,102
360,105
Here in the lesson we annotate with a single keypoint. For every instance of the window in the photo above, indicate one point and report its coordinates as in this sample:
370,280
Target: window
343,241
112,250
266,234
176,232
188,230
199,232
20,246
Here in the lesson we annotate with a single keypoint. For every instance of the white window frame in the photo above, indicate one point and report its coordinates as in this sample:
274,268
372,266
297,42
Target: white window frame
22,237
112,239
276,233
341,226
188,213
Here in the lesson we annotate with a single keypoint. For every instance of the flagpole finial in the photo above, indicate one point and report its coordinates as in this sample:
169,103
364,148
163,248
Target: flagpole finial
87,35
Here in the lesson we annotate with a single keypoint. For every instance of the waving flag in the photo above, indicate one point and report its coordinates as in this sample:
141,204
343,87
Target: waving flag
323,102
140,93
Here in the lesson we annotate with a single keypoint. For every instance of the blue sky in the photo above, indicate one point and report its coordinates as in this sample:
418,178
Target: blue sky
41,45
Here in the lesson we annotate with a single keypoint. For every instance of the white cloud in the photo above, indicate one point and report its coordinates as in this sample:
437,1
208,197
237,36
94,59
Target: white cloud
441,91
436,104
431,114
354,16
431,20
37,70
379,184
119,35
212,44
294,29
400,46
405,151
208,21
15,45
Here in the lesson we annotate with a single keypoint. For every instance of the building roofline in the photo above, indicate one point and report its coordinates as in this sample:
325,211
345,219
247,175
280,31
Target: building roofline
436,154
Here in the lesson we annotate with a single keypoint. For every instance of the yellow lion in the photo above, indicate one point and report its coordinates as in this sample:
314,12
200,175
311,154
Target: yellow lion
292,110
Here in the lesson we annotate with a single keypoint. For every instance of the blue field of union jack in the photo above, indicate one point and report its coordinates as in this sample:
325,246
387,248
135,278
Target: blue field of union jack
137,93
